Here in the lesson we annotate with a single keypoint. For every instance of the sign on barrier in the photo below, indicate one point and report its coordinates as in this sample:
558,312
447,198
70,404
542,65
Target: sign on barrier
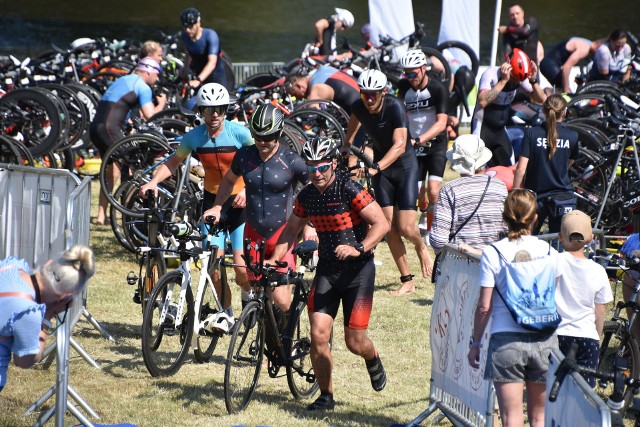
577,404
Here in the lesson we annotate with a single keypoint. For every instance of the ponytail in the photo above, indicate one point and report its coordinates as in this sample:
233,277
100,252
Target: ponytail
553,108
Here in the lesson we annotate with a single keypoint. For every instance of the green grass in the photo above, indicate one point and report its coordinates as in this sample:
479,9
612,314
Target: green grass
123,391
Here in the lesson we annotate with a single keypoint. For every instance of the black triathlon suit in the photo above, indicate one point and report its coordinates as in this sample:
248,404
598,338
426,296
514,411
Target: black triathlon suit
551,64
423,107
335,214
397,185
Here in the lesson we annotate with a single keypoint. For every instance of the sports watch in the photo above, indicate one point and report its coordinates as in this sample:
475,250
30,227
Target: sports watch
360,247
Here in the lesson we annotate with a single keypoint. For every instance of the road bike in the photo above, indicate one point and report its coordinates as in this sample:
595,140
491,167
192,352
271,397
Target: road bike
263,330
173,321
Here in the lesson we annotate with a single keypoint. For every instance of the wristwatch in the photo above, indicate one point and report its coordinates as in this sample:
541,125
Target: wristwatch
474,343
376,166
197,78
360,247
417,140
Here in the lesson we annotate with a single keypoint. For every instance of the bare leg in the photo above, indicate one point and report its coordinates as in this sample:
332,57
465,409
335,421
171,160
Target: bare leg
359,343
536,398
398,251
409,230
510,403
113,178
321,326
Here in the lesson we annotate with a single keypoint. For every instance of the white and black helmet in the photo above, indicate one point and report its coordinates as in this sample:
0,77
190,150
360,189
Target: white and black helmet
266,121
345,16
319,148
212,95
372,80
414,58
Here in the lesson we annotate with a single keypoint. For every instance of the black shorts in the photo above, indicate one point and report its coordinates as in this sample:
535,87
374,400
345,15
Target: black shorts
235,216
351,282
104,137
397,185
497,140
434,161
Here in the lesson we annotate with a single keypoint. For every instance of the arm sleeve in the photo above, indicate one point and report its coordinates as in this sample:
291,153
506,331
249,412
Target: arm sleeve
488,80
299,168
236,163
26,330
604,295
443,100
357,197
213,43
489,266
298,209
442,220
143,91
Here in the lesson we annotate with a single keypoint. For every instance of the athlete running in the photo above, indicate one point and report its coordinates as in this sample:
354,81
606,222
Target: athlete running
215,142
270,171
349,223
395,171
427,102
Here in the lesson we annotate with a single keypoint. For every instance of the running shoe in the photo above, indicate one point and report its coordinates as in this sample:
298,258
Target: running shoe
323,403
377,374
220,322
423,223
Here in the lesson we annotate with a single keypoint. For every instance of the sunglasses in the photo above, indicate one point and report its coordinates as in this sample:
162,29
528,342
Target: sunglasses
265,138
218,109
371,96
411,75
319,168
188,25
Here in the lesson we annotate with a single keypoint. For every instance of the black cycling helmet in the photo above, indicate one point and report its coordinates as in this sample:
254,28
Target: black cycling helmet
320,148
266,121
189,16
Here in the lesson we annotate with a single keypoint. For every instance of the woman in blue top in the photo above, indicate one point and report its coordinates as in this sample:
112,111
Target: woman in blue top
28,302
543,167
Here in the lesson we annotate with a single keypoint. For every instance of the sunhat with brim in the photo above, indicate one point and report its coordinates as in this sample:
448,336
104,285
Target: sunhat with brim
468,154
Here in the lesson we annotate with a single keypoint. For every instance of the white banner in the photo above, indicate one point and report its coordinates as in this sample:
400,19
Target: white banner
391,18
455,300
460,22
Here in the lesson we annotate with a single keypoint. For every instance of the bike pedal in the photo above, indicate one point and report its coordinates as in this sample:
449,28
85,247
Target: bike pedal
169,330
136,297
132,278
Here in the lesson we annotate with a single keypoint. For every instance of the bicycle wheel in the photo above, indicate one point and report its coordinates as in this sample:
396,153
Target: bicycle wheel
207,340
300,369
165,346
613,336
589,175
316,122
129,231
13,152
244,359
136,157
155,268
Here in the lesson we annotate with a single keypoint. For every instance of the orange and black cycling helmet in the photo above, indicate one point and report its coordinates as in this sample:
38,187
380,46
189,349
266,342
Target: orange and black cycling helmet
520,64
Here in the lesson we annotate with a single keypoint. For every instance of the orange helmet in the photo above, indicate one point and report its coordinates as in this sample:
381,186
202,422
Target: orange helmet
520,64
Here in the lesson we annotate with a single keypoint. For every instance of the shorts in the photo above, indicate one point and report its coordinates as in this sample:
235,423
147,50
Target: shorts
104,137
234,226
397,185
518,357
434,161
587,354
497,140
270,245
351,282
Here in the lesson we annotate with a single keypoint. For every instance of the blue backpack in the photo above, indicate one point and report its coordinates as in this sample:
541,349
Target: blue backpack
530,292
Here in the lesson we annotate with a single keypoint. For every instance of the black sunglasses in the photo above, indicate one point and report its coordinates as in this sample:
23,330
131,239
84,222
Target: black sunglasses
218,109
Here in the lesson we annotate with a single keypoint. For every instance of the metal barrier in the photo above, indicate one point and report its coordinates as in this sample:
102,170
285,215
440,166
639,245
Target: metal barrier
242,70
44,212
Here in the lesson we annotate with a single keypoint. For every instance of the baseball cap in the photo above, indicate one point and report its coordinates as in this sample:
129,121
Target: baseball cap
576,227
150,65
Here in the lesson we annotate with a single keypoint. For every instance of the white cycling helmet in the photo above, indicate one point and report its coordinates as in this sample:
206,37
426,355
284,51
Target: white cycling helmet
82,41
345,16
213,94
414,58
372,80
319,148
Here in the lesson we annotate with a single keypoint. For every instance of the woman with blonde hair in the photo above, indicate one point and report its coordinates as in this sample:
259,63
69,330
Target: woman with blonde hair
546,154
29,300
516,356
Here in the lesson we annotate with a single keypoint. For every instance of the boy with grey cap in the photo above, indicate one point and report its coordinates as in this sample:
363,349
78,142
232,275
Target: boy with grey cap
582,292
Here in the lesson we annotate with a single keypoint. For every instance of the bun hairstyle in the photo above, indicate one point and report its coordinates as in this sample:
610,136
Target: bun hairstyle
70,272
520,209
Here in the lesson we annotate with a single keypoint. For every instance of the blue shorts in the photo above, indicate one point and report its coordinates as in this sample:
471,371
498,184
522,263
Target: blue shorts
234,226
518,357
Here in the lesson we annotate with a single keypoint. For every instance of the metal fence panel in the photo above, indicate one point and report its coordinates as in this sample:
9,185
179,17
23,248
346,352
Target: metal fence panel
242,70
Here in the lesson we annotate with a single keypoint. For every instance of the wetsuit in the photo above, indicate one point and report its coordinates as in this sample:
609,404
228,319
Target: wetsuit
397,185
423,106
216,156
207,44
554,59
617,63
524,38
549,177
108,123
489,122
345,87
269,192
335,213
329,46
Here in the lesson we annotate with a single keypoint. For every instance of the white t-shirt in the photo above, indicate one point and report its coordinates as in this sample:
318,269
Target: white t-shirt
490,266
583,284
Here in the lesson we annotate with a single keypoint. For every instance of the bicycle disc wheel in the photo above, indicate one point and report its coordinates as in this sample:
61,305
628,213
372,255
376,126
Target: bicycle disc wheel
165,345
300,369
207,340
244,359
609,347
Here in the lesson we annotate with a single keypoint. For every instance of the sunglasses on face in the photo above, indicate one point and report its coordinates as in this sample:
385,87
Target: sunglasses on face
218,109
411,75
188,26
370,96
319,168
266,138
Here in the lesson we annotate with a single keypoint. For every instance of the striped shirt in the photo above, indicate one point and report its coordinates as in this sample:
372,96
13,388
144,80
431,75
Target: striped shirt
457,200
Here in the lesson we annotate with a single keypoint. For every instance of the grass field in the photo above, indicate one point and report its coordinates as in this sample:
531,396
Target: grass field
123,391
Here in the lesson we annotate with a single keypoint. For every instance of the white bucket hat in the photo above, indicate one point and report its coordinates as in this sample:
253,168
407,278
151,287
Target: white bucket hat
468,154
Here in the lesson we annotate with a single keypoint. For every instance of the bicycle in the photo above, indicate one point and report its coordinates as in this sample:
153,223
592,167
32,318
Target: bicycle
173,321
618,347
364,162
259,332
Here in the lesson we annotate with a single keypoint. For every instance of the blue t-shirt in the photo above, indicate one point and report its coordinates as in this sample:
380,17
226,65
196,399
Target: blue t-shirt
207,44
123,95
20,318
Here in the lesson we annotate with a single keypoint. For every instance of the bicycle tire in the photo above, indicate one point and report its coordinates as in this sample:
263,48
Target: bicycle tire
589,136
77,112
609,346
330,107
244,358
164,348
134,155
473,58
316,122
292,136
301,358
208,340
586,105
445,75
589,176
600,86
155,268
260,79
128,231
13,152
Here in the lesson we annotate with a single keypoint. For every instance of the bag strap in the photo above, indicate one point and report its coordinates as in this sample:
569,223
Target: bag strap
452,236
